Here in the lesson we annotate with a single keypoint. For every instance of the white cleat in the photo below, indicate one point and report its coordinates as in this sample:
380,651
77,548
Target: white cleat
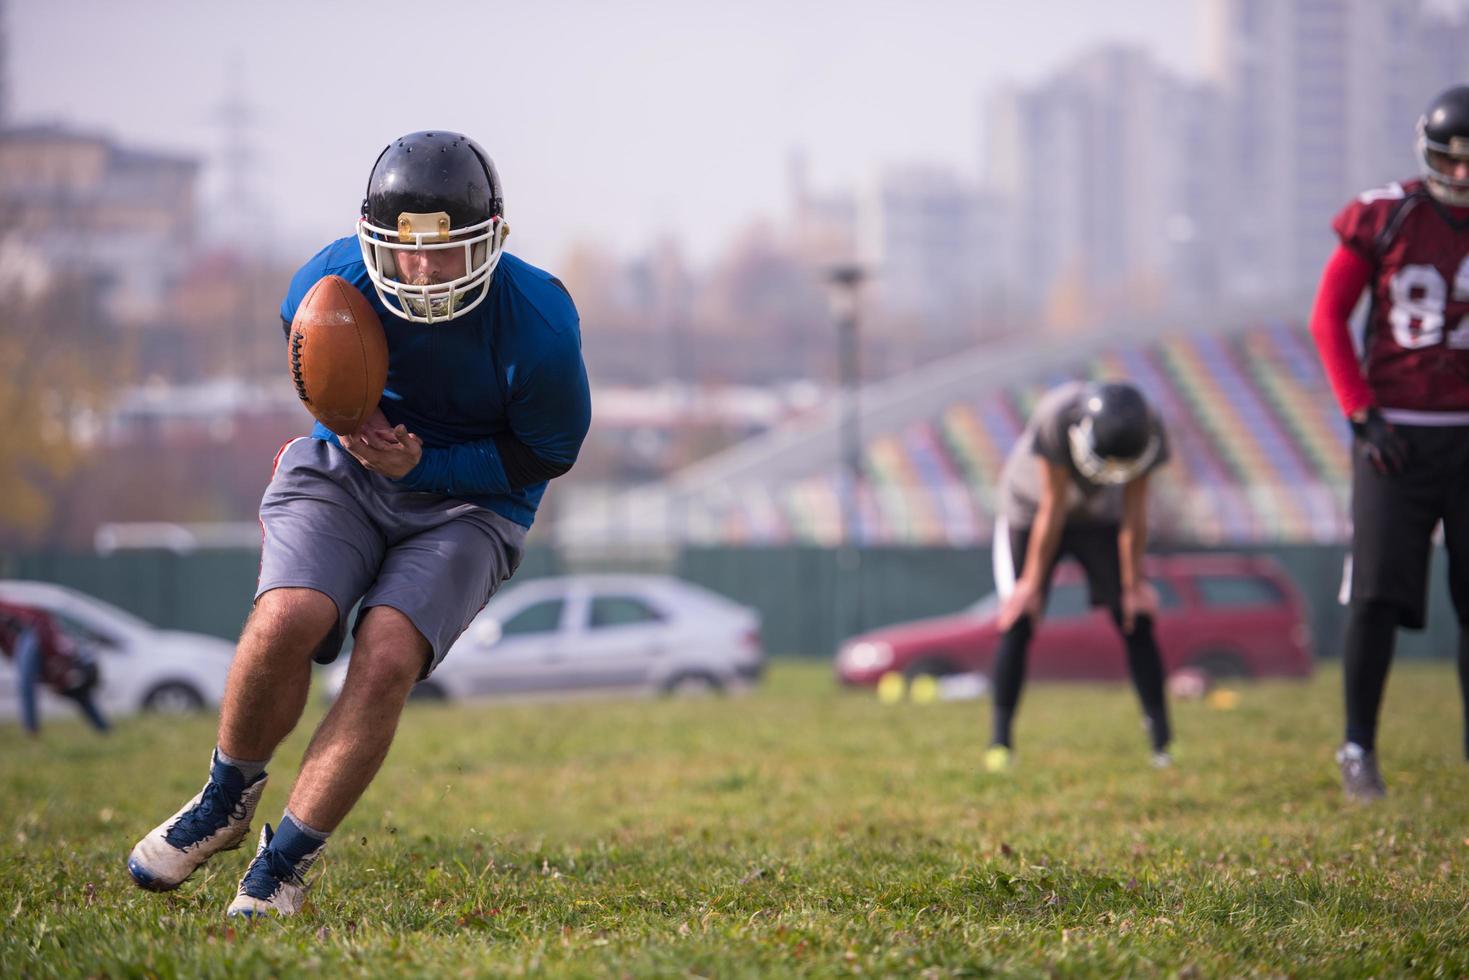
218,819
273,884
1361,780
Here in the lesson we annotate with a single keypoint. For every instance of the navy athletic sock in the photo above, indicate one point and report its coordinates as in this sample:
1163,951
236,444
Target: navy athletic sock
294,840
1372,628
1145,664
1010,678
247,770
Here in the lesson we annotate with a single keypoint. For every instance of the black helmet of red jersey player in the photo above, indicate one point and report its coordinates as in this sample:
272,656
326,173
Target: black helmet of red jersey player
1114,441
1443,146
430,191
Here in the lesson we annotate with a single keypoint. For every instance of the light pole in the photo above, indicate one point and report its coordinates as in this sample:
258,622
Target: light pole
846,279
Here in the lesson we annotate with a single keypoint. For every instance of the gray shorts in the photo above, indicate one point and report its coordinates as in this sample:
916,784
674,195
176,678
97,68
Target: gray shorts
333,526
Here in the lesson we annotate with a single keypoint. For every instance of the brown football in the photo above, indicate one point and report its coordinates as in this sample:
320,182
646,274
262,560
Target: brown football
339,354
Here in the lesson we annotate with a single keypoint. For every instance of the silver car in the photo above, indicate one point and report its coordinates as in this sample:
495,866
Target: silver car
141,668
642,633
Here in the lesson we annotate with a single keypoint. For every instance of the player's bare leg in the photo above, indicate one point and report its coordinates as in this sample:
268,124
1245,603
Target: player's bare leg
350,744
264,696
344,755
270,677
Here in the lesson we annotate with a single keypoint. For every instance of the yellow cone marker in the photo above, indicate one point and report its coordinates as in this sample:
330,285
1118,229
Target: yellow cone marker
924,689
891,687
1223,699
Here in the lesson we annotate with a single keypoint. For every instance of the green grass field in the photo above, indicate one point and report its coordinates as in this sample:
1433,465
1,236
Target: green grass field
797,831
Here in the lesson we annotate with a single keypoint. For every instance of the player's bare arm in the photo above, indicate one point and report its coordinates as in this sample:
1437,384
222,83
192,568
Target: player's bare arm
1050,521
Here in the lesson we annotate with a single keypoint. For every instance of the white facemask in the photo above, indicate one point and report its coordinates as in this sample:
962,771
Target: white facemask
1449,189
483,245
1107,470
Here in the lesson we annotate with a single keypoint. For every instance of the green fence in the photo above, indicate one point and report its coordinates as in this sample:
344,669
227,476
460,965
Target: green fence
208,591
794,588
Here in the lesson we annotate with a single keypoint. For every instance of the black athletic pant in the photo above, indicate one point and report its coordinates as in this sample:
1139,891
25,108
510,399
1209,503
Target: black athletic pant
1095,547
1394,519
1464,681
1367,655
1372,628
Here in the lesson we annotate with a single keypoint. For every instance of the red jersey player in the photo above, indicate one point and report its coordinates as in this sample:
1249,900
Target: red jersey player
1408,402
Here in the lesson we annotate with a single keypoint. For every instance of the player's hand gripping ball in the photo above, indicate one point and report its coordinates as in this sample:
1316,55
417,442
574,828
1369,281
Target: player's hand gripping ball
339,355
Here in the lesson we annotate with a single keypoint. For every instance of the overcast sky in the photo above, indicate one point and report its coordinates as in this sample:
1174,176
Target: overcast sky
614,122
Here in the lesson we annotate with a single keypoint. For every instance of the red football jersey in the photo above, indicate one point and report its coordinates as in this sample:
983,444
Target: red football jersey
1417,345
58,650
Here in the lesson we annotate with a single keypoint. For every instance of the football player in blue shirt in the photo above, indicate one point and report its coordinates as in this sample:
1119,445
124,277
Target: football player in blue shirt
419,516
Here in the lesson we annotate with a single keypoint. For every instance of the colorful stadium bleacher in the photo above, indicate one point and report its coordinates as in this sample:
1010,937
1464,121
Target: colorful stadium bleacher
1259,453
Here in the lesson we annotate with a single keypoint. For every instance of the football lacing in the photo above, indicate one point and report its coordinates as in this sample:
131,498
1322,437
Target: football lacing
297,339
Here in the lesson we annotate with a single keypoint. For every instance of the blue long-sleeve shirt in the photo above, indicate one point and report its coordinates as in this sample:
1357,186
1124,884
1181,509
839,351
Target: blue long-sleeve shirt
495,394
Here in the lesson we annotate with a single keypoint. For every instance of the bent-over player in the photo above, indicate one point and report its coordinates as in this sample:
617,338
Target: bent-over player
1076,483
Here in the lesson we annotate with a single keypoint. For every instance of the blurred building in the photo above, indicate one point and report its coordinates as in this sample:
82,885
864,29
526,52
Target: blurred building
189,452
643,433
101,209
1106,166
823,224
4,63
936,241
1323,97
178,418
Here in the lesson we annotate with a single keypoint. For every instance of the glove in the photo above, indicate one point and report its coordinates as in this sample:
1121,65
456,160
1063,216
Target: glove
1380,444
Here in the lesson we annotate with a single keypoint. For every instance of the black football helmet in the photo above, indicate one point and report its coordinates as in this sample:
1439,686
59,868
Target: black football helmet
1114,441
1443,136
430,191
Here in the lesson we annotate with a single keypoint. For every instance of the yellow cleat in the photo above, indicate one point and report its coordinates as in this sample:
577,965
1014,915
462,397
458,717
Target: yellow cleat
998,758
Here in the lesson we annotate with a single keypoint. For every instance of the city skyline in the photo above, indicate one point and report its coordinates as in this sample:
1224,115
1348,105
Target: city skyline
693,114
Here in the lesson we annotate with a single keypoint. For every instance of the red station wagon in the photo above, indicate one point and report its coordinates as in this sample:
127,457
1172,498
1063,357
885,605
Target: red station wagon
1227,615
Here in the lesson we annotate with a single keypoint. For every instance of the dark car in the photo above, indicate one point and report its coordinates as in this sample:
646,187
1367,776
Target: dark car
1227,615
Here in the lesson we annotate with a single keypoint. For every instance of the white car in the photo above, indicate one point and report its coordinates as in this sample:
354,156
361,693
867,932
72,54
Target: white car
645,633
141,668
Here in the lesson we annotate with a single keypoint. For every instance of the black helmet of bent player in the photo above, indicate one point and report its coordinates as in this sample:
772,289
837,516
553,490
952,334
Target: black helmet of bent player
1114,441
1443,146
431,191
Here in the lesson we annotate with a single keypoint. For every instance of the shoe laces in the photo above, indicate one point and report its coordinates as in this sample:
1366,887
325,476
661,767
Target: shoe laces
268,871
215,809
